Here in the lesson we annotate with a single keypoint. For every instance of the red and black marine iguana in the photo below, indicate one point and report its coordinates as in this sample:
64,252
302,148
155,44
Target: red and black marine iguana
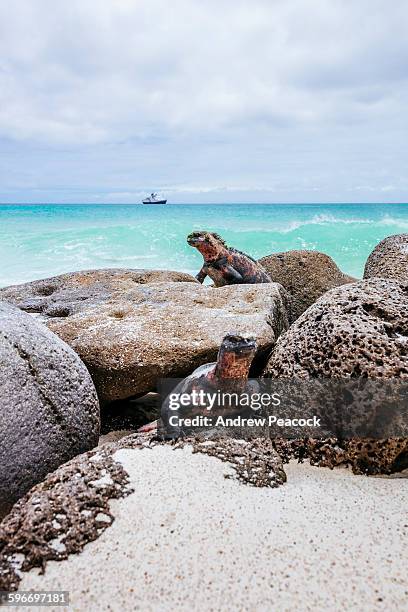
225,265
234,360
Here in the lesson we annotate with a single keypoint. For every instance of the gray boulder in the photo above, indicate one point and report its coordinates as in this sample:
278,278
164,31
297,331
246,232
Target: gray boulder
389,259
306,275
49,408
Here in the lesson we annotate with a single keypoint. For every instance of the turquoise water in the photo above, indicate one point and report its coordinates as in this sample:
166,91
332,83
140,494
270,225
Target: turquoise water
37,241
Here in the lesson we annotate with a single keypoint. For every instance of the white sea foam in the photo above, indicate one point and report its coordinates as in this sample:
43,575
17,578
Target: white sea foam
323,219
388,220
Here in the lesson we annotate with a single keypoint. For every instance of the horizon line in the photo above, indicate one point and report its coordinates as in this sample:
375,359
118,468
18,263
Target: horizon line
230,203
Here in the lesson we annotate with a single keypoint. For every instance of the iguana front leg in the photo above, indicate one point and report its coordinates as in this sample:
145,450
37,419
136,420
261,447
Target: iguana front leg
230,274
203,273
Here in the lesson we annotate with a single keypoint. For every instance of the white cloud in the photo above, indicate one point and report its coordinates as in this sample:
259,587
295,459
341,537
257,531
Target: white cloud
286,89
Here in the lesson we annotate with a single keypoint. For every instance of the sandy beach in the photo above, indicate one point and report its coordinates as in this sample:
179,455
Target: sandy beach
190,539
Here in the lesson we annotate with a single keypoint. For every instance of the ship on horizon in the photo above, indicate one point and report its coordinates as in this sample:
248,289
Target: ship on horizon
154,199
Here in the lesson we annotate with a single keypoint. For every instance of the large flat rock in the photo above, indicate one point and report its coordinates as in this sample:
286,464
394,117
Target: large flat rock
130,338
66,294
167,330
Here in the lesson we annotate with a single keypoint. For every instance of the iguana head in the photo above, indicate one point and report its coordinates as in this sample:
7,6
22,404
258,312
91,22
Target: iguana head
235,356
210,244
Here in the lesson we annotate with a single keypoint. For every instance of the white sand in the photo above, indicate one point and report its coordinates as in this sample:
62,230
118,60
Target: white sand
189,539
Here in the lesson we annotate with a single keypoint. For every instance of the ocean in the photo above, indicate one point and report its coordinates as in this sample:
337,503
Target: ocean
38,241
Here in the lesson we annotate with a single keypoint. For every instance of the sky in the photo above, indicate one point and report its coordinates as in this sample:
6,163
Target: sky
215,101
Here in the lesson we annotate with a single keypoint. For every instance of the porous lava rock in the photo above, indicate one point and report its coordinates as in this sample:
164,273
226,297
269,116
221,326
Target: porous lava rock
369,456
389,259
255,461
359,329
60,515
354,333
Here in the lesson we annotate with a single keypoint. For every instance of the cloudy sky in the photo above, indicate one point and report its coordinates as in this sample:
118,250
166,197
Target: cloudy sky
206,101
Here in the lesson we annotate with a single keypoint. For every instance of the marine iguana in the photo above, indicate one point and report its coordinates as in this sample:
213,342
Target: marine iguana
225,265
230,371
